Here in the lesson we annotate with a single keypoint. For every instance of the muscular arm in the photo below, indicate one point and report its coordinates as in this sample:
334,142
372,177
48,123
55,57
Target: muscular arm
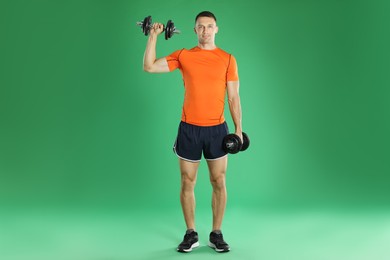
235,105
151,64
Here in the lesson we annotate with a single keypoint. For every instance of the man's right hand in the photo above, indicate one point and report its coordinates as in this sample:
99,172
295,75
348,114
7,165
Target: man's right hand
156,29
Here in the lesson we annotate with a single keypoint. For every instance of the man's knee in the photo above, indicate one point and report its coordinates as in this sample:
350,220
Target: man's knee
218,181
188,181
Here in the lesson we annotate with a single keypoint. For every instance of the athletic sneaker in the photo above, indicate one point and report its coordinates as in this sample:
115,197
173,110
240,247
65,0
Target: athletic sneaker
190,241
217,242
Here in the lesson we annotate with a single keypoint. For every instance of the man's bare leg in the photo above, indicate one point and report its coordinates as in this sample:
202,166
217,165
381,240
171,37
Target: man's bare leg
187,197
217,170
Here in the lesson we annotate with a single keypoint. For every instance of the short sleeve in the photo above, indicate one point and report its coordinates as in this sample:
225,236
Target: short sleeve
232,71
173,60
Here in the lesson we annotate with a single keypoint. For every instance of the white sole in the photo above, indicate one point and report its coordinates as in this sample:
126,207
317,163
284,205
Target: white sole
216,249
194,245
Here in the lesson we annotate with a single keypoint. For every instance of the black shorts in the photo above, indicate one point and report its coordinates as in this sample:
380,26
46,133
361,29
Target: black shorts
192,140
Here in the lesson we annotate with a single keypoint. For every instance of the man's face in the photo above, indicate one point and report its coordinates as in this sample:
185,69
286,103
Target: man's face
206,28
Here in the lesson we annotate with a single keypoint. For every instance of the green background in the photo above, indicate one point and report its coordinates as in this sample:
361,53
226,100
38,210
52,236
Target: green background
86,134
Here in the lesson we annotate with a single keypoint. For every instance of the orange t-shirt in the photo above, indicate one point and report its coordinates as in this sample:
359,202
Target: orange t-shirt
205,74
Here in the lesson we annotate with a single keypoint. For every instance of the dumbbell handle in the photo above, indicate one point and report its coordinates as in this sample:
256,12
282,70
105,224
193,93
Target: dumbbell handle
150,26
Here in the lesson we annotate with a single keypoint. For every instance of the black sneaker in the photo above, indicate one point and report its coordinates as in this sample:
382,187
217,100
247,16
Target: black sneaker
190,241
217,242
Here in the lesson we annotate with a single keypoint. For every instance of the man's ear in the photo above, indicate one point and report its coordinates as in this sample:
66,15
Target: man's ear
194,30
216,29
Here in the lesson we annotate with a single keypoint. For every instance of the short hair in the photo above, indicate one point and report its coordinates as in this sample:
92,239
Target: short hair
206,14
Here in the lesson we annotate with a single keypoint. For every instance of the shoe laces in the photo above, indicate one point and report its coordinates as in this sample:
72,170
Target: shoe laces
187,239
219,239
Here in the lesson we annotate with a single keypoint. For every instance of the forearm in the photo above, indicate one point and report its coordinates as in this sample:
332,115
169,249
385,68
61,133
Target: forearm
235,112
150,52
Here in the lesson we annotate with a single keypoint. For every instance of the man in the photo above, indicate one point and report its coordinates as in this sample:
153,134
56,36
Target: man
208,73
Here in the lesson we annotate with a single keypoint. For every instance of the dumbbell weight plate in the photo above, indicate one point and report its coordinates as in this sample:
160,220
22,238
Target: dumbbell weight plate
146,25
231,144
169,29
246,142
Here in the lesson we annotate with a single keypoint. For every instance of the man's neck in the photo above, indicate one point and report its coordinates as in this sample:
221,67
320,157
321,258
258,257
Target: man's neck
207,46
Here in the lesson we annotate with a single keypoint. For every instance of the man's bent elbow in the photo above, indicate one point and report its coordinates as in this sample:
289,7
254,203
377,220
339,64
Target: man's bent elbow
147,68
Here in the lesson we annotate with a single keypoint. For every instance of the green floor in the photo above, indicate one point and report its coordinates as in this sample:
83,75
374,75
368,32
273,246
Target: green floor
141,235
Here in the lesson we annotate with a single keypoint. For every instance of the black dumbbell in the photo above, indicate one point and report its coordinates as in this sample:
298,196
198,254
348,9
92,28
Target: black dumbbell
147,24
233,144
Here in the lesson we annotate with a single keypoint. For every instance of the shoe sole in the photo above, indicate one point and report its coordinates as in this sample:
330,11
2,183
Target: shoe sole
194,245
217,249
